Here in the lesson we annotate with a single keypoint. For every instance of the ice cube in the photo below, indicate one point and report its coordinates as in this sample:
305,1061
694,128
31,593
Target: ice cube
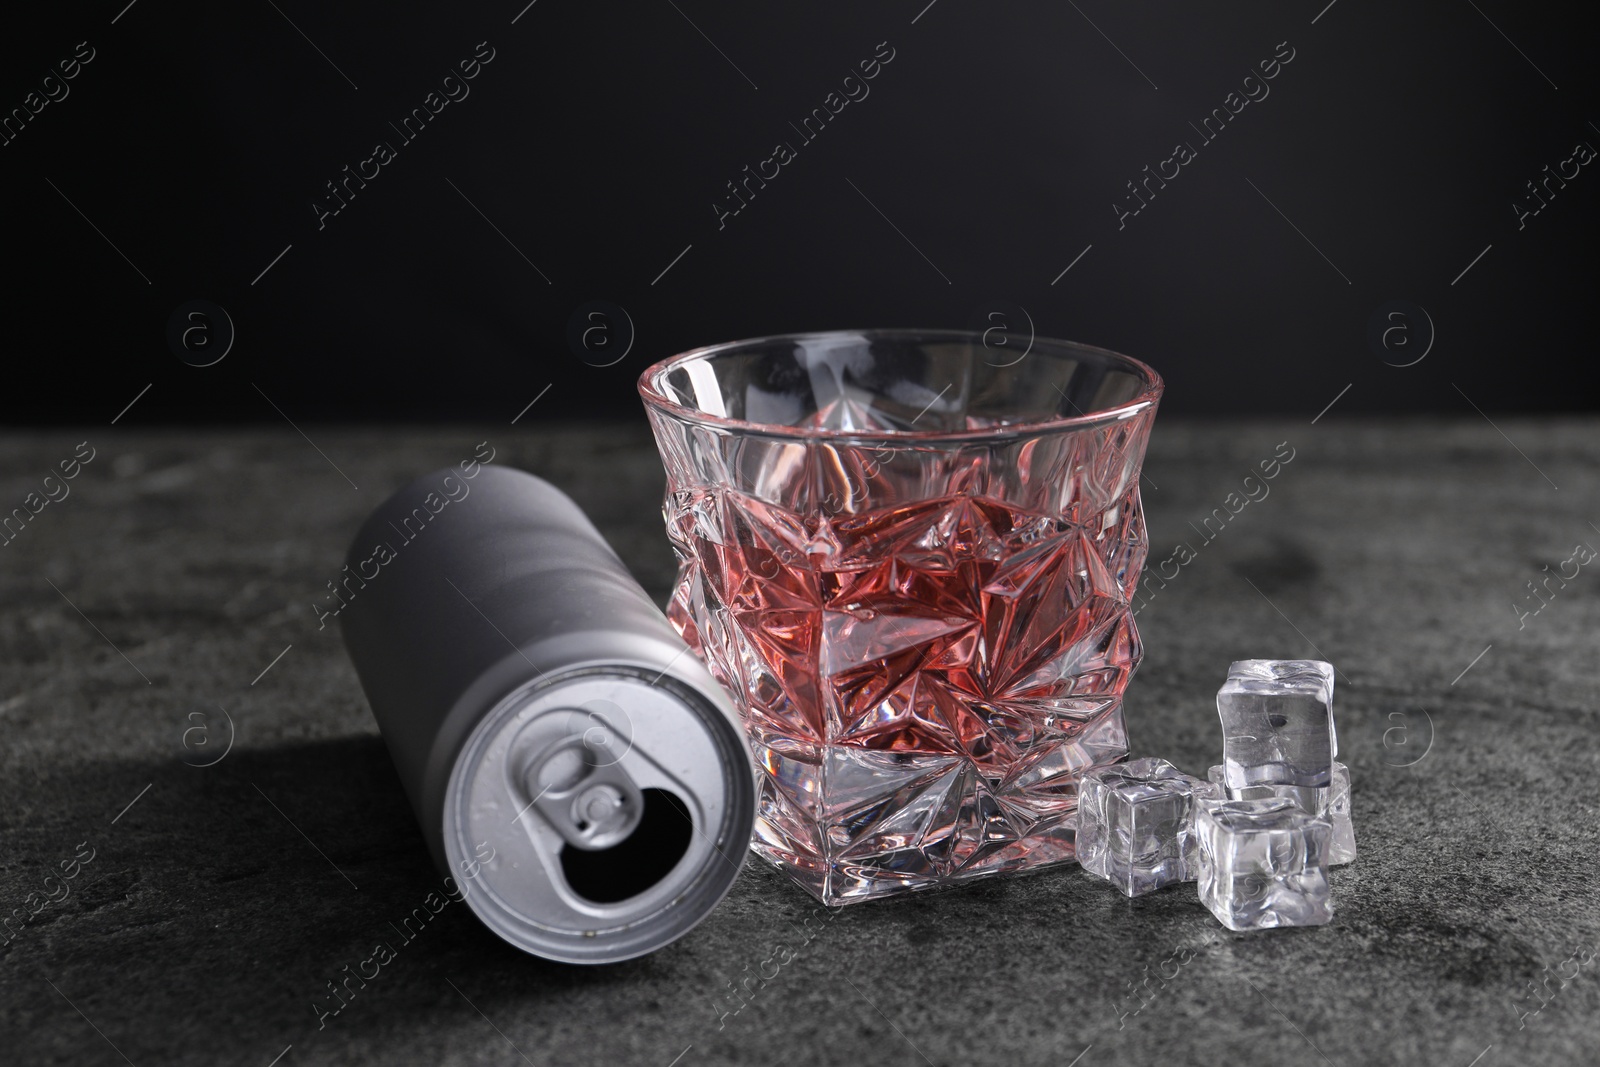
1331,802
1277,723
1136,821
1342,845
1263,863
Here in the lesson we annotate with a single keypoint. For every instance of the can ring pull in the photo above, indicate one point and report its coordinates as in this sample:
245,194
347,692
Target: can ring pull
580,788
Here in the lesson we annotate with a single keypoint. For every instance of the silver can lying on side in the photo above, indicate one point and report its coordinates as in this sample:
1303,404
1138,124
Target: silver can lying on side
560,745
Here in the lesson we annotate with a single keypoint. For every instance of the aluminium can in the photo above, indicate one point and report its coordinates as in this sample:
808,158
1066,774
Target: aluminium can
573,766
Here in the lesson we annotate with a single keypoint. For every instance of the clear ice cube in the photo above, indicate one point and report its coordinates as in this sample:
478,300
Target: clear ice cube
1277,723
1263,863
1342,845
1331,802
1136,824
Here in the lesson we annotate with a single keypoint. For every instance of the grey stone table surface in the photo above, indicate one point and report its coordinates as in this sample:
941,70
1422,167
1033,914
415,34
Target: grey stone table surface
210,905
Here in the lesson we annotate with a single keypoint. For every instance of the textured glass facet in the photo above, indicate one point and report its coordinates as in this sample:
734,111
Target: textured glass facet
1136,824
1277,723
1263,863
915,586
1331,802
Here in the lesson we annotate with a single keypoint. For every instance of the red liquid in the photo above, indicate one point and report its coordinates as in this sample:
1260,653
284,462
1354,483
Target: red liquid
922,685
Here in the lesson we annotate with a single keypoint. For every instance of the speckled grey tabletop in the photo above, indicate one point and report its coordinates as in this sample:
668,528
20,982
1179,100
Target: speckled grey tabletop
175,581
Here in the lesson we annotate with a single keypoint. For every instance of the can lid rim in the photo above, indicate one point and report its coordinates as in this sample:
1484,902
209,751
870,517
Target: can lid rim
667,923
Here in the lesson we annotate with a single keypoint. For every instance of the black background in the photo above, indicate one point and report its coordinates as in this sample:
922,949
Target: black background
599,137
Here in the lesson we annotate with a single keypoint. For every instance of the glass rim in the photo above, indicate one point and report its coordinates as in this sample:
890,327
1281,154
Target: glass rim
656,398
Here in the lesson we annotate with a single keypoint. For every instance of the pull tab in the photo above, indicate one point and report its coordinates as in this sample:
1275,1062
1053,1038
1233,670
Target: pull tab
580,788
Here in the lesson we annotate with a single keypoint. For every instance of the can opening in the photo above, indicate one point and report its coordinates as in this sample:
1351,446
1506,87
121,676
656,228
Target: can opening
639,861
633,796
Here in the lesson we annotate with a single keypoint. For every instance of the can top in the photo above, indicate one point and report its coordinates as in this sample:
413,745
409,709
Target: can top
599,812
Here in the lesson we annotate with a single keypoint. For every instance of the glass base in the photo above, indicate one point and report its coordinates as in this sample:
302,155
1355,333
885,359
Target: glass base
862,825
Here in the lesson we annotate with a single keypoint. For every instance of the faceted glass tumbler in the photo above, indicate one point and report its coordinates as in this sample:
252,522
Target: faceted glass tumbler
909,556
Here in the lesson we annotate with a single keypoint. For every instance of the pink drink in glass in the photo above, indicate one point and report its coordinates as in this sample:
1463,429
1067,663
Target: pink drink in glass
912,567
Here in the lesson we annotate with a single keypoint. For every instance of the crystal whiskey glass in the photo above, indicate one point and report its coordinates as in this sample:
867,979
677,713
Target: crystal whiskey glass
910,555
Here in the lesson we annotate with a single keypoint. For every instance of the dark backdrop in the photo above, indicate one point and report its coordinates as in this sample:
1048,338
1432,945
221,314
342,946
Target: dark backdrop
584,161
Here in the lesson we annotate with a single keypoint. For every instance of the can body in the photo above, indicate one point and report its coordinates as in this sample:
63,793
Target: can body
570,763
